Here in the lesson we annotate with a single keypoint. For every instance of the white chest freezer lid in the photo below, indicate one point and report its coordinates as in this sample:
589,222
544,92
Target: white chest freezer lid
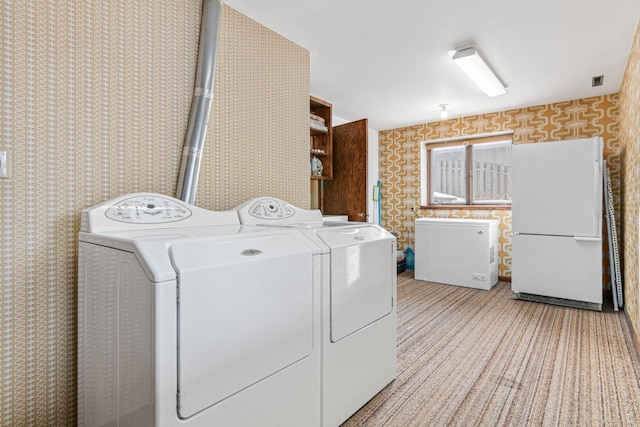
245,313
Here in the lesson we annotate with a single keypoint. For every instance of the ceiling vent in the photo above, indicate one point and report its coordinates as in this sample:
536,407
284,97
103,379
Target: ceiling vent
597,81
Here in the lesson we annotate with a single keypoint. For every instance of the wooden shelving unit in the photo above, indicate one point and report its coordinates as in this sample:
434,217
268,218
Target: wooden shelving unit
321,142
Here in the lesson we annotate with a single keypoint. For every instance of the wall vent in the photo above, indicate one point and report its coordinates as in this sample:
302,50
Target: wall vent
597,81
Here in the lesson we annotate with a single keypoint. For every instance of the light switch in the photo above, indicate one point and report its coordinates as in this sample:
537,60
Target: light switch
5,172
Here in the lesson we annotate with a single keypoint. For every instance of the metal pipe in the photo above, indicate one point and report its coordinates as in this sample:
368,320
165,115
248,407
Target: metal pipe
201,103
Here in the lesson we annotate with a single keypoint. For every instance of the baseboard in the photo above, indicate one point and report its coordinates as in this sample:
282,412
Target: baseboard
504,279
634,337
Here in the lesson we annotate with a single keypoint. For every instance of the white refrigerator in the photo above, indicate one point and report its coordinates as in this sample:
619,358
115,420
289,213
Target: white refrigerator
557,222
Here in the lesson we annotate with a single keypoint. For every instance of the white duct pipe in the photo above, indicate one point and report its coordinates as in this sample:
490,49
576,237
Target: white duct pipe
201,103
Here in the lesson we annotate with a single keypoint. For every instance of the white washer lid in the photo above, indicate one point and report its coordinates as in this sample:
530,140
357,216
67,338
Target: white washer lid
245,313
151,246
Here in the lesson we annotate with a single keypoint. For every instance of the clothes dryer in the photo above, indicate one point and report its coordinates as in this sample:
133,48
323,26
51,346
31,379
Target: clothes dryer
358,276
187,318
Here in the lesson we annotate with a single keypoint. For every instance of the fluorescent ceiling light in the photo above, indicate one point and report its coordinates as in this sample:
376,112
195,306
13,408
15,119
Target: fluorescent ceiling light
478,70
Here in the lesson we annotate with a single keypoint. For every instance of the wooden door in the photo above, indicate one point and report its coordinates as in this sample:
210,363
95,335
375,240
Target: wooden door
346,194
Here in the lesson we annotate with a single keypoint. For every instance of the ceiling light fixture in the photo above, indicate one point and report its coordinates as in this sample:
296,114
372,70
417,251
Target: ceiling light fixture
444,113
478,70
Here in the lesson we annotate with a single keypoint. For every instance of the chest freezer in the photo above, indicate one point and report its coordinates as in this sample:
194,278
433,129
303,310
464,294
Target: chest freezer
462,252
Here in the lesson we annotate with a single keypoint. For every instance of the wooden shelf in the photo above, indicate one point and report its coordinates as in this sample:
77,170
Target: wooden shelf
317,131
320,178
320,138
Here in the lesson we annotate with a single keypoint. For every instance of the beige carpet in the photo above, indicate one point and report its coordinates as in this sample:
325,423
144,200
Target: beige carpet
469,357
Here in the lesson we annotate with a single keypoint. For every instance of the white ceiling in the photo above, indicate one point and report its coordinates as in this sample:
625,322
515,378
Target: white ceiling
387,60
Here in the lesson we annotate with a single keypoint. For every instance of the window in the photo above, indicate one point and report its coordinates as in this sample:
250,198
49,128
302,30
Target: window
448,172
491,173
467,171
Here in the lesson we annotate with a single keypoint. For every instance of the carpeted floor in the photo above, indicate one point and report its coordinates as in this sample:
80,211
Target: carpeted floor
468,357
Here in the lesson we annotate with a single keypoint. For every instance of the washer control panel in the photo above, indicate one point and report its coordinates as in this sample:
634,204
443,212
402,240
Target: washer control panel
271,209
148,209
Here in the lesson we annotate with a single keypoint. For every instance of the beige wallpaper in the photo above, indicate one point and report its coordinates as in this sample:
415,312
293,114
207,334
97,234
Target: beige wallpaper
95,99
400,156
260,123
630,174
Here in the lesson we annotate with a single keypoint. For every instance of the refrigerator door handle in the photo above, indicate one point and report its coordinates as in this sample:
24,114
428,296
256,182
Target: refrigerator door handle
588,239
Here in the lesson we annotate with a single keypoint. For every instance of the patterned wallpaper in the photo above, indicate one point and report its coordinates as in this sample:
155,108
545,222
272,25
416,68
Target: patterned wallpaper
400,156
258,141
95,100
630,178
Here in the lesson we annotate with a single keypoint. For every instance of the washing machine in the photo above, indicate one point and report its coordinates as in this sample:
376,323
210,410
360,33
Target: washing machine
358,280
187,318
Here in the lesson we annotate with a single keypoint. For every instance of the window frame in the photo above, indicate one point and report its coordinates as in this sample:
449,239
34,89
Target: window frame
467,142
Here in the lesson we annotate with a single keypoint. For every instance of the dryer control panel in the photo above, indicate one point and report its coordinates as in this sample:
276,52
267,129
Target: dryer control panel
271,208
272,211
